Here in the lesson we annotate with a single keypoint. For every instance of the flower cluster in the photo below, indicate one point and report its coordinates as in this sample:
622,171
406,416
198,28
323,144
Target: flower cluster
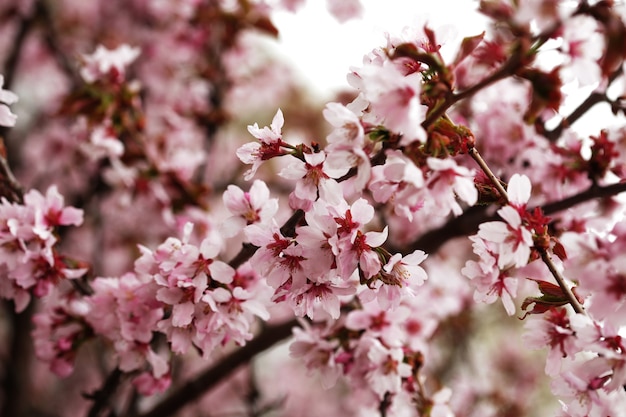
29,232
347,237
209,303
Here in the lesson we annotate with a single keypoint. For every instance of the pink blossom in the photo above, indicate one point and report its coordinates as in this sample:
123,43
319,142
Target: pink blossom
50,211
359,252
58,331
351,218
270,145
347,125
583,43
607,284
254,206
388,368
347,146
519,190
515,241
541,13
28,236
492,284
380,322
136,314
103,144
108,63
318,239
400,276
554,331
447,182
400,183
317,352
319,297
345,10
513,238
394,100
581,384
147,384
271,245
235,311
313,179
292,5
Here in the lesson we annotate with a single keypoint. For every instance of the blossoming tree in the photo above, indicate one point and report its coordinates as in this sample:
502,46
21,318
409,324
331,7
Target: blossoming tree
439,240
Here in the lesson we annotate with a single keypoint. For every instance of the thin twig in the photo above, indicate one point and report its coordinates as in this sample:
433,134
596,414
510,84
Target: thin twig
593,99
571,298
506,70
52,41
16,188
102,397
467,223
13,56
494,180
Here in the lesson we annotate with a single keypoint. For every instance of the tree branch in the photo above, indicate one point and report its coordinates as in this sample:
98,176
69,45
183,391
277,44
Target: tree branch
468,222
15,384
567,291
193,389
51,39
507,69
102,397
593,99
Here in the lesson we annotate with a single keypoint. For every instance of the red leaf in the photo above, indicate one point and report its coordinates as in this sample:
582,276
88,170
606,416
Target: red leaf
559,250
467,47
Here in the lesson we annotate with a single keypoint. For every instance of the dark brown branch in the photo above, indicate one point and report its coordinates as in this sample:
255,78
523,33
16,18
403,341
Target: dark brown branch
504,71
593,192
196,387
13,189
16,381
567,291
593,99
13,56
102,397
51,39
518,59
467,223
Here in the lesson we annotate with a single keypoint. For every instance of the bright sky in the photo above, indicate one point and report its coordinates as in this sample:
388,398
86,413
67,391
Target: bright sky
324,49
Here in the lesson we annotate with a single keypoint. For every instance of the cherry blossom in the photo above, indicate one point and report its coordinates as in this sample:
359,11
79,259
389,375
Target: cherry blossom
313,180
386,377
394,100
149,271
399,277
346,10
318,354
583,44
254,206
270,145
398,182
555,331
105,63
513,238
347,145
58,329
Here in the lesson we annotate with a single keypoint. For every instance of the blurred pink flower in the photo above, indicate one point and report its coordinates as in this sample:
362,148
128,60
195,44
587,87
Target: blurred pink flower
7,118
107,63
